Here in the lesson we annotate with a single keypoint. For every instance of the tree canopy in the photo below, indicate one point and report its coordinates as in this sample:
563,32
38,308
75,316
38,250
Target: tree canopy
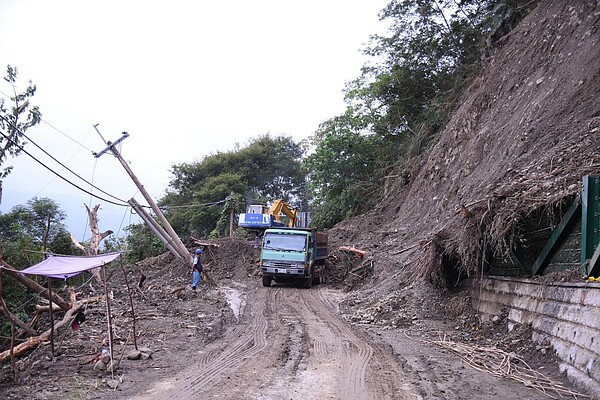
267,168
402,98
25,227
15,119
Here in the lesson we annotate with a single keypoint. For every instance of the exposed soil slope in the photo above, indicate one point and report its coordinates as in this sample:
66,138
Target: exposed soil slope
526,134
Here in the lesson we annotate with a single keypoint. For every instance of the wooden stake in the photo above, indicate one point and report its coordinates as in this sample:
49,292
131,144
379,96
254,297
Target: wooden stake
51,319
130,301
109,321
12,354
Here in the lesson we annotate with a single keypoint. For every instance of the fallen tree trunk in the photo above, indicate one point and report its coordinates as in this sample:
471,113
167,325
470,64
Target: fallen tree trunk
360,253
199,242
35,341
33,285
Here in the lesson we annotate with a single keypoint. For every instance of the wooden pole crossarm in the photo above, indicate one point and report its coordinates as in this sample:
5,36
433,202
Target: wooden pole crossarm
109,145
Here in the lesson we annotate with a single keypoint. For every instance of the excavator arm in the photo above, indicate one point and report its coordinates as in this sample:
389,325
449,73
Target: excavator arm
279,207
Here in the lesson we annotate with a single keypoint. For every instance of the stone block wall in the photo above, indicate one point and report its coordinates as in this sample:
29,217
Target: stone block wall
564,315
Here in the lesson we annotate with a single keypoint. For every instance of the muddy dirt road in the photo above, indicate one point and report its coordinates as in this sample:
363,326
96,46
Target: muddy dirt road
292,343
289,344
238,340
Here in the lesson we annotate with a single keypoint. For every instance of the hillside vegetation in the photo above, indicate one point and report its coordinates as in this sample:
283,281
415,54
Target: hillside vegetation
524,136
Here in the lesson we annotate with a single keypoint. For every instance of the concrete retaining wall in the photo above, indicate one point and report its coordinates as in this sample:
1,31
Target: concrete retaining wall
567,316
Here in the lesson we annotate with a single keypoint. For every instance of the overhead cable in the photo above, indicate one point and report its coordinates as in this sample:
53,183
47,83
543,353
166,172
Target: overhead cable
53,127
53,158
60,176
193,205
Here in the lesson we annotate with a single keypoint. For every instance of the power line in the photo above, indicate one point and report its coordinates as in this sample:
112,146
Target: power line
65,135
83,179
60,176
193,205
55,128
53,158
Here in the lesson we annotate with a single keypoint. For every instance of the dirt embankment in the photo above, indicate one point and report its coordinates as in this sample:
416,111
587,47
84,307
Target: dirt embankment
239,340
524,137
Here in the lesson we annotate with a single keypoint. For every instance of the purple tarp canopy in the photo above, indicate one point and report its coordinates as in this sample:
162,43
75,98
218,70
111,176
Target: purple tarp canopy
64,267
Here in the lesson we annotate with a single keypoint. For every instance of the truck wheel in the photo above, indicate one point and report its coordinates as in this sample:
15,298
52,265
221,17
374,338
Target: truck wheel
307,282
266,280
316,280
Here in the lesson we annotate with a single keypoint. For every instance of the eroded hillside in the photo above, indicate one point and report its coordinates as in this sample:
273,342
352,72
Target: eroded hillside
527,132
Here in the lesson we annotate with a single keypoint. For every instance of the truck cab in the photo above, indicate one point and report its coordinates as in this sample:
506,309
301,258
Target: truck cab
293,254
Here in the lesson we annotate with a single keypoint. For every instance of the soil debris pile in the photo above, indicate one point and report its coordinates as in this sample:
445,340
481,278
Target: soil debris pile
170,318
521,142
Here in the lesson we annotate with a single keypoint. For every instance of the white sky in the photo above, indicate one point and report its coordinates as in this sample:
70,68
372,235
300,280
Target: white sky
185,78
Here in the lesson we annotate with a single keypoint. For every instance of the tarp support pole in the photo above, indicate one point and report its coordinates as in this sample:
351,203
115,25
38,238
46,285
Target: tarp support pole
130,301
51,317
109,321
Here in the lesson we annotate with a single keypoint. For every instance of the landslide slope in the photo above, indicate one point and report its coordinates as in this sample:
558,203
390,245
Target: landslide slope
526,133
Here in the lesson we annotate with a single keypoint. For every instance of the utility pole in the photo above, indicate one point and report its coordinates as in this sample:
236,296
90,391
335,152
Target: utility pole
176,241
231,213
154,227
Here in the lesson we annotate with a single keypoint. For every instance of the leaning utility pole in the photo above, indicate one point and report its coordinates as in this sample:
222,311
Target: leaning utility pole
176,243
154,226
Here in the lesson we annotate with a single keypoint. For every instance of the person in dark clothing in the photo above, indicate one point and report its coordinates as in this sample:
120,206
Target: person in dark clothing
197,268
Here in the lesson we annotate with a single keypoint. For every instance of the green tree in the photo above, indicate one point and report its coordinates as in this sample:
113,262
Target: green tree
268,168
24,230
402,99
197,213
142,243
234,205
341,171
15,120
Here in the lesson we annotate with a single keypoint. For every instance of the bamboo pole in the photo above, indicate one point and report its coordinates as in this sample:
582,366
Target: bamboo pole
109,321
51,319
130,302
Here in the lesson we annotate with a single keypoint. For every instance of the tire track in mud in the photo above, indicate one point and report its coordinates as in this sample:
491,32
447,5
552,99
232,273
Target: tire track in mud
341,363
355,352
221,357
289,343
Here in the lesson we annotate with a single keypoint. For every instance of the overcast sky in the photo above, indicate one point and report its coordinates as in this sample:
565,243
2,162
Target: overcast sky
184,78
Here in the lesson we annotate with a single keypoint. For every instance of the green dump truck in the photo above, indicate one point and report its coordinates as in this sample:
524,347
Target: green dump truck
293,255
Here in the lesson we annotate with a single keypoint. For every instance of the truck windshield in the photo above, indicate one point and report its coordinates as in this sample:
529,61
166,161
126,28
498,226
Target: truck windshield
275,241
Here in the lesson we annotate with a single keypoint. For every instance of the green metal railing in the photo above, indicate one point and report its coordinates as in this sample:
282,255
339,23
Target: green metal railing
590,226
589,204
557,237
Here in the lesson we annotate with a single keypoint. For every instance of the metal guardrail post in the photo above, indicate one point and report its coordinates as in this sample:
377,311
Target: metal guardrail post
590,225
